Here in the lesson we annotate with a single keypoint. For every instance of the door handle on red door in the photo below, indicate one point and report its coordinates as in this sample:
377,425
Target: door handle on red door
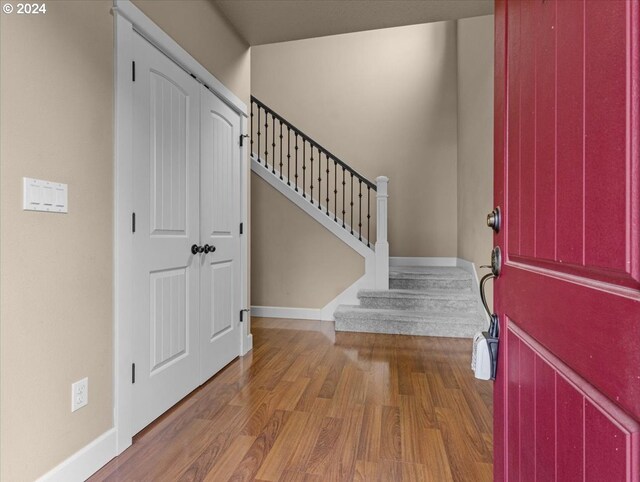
496,262
484,360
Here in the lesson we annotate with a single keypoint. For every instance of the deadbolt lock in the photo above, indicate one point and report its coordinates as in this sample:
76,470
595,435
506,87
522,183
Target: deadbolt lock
494,219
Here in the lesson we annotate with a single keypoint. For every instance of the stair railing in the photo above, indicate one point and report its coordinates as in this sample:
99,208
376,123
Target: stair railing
323,179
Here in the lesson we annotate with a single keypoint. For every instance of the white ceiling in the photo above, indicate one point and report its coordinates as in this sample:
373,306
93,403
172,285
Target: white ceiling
269,21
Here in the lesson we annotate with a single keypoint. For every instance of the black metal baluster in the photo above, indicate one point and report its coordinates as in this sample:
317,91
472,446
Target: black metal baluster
311,173
360,212
258,126
319,179
273,145
251,127
266,139
304,165
296,159
368,216
327,199
343,199
281,152
351,202
335,191
289,157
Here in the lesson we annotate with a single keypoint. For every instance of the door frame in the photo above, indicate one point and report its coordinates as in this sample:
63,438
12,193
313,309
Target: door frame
128,20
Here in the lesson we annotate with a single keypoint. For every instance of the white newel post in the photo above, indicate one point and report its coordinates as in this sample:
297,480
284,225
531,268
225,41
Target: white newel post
382,245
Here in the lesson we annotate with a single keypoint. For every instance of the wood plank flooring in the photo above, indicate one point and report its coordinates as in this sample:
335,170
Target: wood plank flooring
309,404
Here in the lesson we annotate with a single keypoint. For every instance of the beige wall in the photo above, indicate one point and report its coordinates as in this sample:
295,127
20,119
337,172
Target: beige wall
56,269
56,297
475,137
201,30
385,102
327,265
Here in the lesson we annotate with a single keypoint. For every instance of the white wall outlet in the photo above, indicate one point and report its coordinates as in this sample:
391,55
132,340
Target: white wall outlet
79,394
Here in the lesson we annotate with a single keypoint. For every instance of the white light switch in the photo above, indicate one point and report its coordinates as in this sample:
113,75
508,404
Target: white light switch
47,196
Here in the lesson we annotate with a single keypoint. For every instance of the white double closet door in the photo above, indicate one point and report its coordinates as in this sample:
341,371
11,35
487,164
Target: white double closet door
186,192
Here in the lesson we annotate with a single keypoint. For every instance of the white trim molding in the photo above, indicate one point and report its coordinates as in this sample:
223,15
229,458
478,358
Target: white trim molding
85,462
246,338
127,20
348,297
287,312
382,244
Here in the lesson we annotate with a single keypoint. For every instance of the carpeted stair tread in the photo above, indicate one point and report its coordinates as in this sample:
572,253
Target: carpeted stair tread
404,322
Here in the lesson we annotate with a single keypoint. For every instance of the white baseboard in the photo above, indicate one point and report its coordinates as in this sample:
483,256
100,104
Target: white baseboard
86,461
347,297
285,312
470,267
434,261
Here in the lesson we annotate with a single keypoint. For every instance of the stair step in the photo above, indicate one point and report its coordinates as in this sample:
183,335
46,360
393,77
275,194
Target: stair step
435,300
403,322
431,277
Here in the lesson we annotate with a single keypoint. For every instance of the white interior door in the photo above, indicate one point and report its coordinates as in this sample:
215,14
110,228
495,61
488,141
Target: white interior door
166,282
220,279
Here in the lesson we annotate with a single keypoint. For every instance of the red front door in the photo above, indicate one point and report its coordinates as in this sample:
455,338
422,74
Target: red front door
567,179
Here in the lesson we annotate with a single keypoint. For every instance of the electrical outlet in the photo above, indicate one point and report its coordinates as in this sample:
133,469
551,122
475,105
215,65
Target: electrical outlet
79,394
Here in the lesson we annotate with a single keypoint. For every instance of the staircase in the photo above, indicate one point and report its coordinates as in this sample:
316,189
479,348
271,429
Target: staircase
429,301
341,199
409,300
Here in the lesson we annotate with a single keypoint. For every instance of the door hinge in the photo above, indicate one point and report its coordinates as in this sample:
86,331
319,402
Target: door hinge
133,71
242,136
242,314
133,222
241,228
133,373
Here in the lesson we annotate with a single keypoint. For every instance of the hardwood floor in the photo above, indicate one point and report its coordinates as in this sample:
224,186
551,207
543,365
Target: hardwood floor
309,404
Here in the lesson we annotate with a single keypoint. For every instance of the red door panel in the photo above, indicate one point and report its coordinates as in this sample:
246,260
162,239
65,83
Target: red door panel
596,441
569,131
570,166
545,131
545,414
567,179
569,436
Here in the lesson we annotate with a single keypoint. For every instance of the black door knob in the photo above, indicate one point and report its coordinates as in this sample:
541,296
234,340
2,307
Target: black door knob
209,249
195,249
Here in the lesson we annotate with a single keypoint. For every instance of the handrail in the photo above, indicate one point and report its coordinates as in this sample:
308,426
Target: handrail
326,152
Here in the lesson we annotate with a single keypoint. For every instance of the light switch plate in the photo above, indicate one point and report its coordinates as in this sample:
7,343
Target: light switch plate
47,196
